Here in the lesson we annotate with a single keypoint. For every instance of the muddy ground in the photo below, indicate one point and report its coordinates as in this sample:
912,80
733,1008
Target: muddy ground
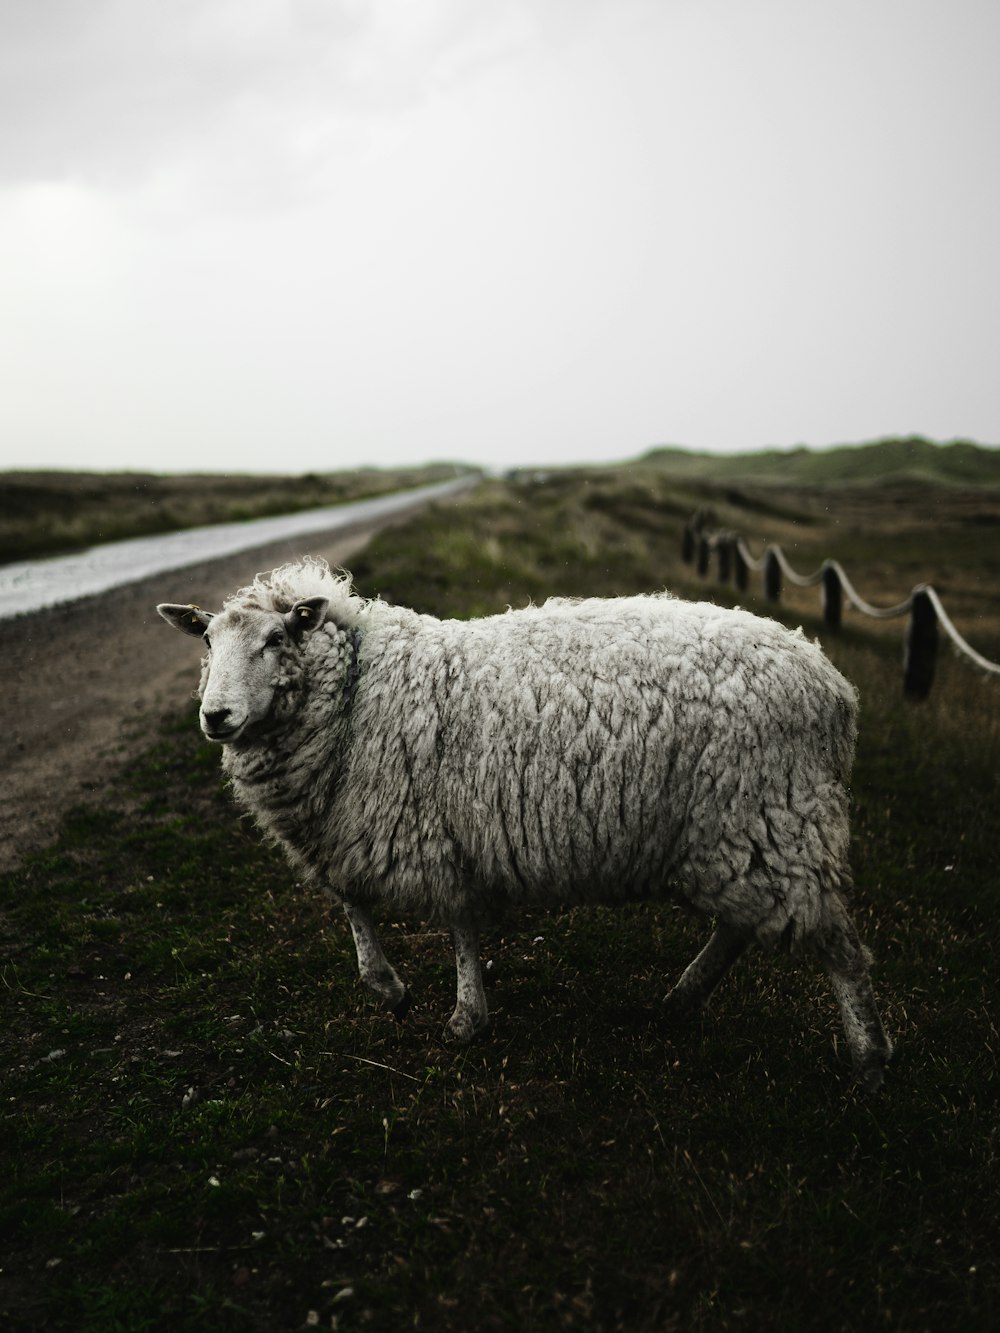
84,684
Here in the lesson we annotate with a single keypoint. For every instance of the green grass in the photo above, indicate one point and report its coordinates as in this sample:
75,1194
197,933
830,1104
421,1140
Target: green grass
912,461
585,1166
48,513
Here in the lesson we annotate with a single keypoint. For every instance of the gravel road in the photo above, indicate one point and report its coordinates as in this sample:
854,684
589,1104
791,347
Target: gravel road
84,683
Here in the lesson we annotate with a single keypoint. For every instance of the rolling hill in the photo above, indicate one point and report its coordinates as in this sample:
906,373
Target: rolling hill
913,460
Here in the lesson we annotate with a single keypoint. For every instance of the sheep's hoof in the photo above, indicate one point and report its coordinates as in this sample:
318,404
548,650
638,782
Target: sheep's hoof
870,1075
682,1007
402,1008
463,1027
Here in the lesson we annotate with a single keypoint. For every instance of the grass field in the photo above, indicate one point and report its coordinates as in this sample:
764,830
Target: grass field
913,462
50,513
207,1123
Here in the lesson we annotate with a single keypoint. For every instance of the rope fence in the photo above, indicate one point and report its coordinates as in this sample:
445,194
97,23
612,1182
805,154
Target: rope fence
923,607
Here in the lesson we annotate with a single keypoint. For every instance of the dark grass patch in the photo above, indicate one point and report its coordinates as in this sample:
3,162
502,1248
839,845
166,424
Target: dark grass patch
207,1124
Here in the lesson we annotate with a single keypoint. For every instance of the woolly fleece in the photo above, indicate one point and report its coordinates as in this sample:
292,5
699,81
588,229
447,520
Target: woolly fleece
577,751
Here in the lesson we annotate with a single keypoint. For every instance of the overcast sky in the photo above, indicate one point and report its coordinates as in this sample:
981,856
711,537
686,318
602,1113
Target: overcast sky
311,234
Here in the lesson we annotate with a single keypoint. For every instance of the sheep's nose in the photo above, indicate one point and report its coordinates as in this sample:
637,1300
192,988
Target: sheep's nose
217,722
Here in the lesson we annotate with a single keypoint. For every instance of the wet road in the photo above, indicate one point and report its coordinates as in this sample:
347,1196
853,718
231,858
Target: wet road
35,585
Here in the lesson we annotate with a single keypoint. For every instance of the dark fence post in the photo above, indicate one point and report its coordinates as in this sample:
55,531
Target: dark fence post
724,551
833,596
772,576
687,543
702,554
740,567
920,646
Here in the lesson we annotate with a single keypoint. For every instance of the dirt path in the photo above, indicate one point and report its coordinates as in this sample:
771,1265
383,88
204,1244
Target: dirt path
82,683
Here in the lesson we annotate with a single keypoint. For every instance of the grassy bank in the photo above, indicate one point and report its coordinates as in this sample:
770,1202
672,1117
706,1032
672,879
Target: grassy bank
911,462
51,513
207,1124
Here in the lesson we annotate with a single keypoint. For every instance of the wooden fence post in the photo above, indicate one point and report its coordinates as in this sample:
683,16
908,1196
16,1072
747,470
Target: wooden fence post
724,551
687,543
702,554
772,576
833,596
740,567
920,646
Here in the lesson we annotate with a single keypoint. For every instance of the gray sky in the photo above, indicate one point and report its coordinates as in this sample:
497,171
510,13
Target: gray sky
252,235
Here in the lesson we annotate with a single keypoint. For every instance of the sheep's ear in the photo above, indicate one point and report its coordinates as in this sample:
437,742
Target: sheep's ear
306,615
191,619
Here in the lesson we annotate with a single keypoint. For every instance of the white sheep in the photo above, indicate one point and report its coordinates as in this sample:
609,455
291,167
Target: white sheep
574,752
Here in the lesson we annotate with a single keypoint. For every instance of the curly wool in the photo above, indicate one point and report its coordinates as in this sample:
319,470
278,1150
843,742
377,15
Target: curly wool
577,751
284,586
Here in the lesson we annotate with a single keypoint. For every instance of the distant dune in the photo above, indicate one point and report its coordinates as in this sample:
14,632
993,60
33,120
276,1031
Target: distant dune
913,460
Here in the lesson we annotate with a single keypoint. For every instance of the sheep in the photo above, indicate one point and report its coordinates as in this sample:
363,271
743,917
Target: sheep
573,752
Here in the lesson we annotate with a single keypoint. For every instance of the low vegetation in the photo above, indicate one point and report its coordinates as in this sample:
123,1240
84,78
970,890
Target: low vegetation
51,513
896,462
207,1124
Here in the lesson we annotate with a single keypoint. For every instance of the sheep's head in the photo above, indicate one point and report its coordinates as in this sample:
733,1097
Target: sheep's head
248,650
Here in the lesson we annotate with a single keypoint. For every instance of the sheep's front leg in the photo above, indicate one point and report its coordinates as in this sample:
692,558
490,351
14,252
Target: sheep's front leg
374,968
471,1013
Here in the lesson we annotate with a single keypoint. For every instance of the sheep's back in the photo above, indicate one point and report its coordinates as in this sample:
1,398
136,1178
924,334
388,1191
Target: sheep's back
595,750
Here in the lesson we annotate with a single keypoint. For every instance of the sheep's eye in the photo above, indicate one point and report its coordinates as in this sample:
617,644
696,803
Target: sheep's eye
275,640
207,642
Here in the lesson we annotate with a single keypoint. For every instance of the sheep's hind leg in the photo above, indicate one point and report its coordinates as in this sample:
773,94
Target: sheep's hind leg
846,961
471,1014
700,978
375,970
